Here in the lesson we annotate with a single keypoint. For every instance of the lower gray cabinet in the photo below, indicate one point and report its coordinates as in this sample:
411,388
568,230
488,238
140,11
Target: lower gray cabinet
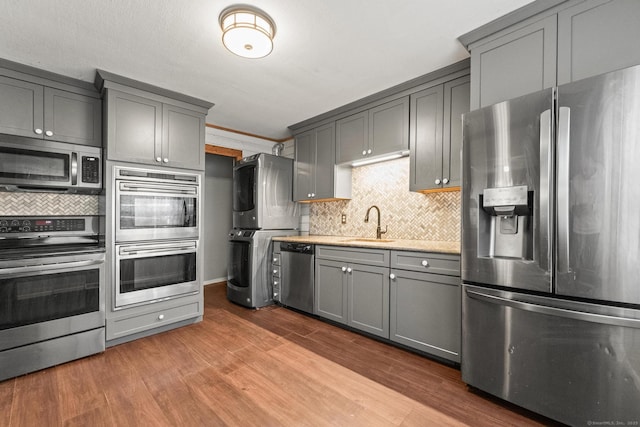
425,312
350,293
425,303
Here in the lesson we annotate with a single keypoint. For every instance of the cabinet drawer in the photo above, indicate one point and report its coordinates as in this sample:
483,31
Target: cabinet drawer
426,262
275,259
275,270
124,326
373,257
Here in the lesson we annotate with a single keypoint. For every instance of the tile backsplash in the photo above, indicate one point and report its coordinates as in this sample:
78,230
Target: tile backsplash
33,204
407,215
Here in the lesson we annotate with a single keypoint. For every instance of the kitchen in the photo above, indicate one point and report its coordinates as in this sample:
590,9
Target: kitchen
502,67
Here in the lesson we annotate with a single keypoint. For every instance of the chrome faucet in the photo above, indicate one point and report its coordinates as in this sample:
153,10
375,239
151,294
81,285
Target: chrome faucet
379,231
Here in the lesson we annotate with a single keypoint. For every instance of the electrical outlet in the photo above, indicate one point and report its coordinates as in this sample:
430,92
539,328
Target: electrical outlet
344,218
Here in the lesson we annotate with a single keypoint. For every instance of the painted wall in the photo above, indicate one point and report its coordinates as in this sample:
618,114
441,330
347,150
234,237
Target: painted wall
217,221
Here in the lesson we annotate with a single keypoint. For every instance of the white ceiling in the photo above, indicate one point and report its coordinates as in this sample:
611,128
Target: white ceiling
327,53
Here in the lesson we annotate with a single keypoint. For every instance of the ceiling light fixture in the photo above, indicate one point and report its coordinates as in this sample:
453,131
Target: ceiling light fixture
247,31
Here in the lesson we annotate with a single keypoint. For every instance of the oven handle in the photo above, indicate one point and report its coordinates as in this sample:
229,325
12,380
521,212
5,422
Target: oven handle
158,188
168,249
4,272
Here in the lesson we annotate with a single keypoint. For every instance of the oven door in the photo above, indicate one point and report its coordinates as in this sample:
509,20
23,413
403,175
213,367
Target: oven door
44,298
150,272
148,211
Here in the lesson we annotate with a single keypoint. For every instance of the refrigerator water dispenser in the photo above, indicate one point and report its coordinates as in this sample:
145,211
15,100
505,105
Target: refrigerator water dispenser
505,220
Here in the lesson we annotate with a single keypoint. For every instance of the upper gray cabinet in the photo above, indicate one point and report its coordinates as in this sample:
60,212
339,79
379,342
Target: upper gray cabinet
32,109
596,37
149,125
520,62
316,176
380,130
549,43
436,135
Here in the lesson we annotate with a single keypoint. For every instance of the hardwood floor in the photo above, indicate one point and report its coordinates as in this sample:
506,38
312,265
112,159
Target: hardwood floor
240,367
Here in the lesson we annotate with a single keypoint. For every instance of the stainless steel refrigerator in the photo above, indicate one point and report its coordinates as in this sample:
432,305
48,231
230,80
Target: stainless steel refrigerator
551,250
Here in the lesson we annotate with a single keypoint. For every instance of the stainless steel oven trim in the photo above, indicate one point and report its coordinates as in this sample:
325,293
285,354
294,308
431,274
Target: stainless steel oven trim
28,334
151,249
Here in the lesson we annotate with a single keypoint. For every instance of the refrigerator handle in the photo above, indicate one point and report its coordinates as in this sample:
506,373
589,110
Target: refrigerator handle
544,252
556,311
564,120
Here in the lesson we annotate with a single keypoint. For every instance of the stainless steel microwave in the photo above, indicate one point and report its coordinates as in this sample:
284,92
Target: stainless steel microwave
28,164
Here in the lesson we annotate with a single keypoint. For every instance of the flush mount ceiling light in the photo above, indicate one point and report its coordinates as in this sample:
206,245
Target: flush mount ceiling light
247,31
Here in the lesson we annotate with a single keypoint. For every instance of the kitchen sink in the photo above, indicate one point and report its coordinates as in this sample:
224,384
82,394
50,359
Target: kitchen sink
370,240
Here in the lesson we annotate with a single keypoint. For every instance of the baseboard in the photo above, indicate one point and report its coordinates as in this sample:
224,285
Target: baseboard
214,281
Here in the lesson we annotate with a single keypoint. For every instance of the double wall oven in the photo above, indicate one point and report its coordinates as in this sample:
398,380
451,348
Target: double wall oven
156,229
52,299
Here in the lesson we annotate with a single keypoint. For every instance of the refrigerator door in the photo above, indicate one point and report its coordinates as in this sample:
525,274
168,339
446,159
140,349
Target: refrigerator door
507,177
598,178
574,362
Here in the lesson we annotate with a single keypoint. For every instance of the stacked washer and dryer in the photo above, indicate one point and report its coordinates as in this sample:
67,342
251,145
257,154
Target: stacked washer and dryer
263,208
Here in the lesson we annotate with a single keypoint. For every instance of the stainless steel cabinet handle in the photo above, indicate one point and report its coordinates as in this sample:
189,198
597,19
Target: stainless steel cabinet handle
425,263
275,271
364,152
349,270
313,194
392,276
438,181
369,151
556,311
158,159
161,317
275,260
165,160
38,131
445,180
48,133
308,194
344,269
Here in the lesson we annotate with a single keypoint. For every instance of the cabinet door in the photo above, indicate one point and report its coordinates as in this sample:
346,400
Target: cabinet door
368,299
21,108
426,139
352,137
520,62
134,128
596,37
325,161
182,138
389,127
305,158
71,117
425,313
456,103
330,290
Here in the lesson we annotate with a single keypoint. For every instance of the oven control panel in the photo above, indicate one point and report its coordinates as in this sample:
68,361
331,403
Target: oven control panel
41,224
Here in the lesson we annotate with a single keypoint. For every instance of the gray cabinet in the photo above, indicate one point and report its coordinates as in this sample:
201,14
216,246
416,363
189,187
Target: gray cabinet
436,135
352,288
316,176
38,111
133,323
144,130
520,62
146,124
597,36
425,303
548,47
375,132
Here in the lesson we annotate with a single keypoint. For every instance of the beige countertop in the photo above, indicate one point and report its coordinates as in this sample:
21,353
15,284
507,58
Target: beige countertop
405,245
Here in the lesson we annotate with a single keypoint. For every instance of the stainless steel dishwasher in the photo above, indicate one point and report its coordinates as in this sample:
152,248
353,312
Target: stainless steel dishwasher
297,275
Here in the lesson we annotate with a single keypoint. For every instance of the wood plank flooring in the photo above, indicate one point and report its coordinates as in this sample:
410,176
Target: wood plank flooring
241,367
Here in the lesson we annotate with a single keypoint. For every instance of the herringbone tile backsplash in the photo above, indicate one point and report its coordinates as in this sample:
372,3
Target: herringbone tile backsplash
407,215
34,204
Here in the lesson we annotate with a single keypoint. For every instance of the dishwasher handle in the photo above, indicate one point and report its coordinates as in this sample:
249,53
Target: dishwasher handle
303,248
